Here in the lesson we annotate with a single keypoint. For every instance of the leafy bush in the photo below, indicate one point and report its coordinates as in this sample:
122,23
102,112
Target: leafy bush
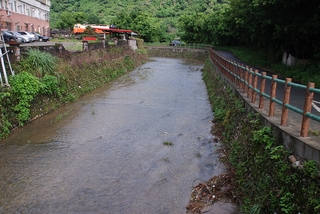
50,85
5,125
24,87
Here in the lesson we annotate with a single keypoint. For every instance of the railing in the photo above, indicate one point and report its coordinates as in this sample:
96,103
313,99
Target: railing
246,79
182,45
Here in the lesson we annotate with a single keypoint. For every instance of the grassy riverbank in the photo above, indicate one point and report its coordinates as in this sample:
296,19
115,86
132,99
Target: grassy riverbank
43,83
264,180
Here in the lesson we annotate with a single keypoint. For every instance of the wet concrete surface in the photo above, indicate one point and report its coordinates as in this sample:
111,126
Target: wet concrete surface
105,153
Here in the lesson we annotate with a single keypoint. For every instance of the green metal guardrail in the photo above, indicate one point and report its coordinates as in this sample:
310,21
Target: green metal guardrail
245,76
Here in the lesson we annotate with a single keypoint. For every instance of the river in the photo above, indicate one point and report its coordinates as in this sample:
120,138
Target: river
108,152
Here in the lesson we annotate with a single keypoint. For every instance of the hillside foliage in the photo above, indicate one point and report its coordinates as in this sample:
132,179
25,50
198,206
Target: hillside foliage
269,26
154,20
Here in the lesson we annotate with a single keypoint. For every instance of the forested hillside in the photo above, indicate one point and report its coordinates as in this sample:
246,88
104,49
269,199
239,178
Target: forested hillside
160,15
271,26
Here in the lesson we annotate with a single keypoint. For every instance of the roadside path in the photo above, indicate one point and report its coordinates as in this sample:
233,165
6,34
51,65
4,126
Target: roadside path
296,99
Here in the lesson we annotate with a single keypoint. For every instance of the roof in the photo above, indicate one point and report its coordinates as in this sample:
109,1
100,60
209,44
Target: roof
114,30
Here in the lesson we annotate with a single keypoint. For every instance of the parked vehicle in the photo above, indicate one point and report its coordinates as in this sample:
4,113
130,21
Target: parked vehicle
175,43
24,38
25,33
7,36
35,35
42,38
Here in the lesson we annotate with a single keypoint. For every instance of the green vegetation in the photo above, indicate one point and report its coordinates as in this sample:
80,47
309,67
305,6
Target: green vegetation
44,82
38,63
155,20
264,179
267,28
302,73
168,143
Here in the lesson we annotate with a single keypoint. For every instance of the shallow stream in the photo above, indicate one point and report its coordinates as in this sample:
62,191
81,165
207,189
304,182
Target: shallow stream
106,152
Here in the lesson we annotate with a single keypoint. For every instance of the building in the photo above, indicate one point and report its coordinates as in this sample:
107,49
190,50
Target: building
25,15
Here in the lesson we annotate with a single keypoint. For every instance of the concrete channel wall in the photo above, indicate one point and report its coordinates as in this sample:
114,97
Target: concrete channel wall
305,148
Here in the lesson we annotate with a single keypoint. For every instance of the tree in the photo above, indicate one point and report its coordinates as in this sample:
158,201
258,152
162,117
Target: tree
68,19
93,19
148,27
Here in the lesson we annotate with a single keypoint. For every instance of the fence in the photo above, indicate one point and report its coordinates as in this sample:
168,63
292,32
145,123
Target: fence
247,80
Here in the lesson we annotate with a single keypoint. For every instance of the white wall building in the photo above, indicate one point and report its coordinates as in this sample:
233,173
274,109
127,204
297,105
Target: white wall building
25,15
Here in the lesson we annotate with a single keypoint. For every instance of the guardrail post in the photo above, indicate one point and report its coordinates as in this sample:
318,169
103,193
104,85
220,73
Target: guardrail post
262,89
230,70
224,67
272,95
237,74
286,100
234,76
245,89
249,95
241,74
255,83
307,108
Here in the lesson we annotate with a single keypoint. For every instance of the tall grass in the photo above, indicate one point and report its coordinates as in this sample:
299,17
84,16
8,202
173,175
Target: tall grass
38,63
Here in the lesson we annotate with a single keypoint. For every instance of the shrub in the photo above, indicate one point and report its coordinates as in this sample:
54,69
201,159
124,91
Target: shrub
24,88
50,85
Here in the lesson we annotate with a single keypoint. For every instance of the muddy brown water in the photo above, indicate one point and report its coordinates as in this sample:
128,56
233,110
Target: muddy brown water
105,153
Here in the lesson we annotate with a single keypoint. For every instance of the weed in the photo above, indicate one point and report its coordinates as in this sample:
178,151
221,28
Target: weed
167,143
60,116
314,132
165,160
198,155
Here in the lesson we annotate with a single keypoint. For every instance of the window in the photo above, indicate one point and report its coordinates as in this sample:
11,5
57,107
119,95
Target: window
15,6
8,24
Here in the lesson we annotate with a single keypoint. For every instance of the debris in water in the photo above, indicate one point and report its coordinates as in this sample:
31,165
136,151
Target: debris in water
217,188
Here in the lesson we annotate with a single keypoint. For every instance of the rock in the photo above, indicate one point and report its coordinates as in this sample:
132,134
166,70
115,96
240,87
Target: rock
296,164
292,159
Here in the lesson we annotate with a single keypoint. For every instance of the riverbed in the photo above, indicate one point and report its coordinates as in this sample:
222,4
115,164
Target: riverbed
136,145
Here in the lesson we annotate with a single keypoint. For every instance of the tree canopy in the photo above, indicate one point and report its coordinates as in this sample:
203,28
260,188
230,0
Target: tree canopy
268,25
